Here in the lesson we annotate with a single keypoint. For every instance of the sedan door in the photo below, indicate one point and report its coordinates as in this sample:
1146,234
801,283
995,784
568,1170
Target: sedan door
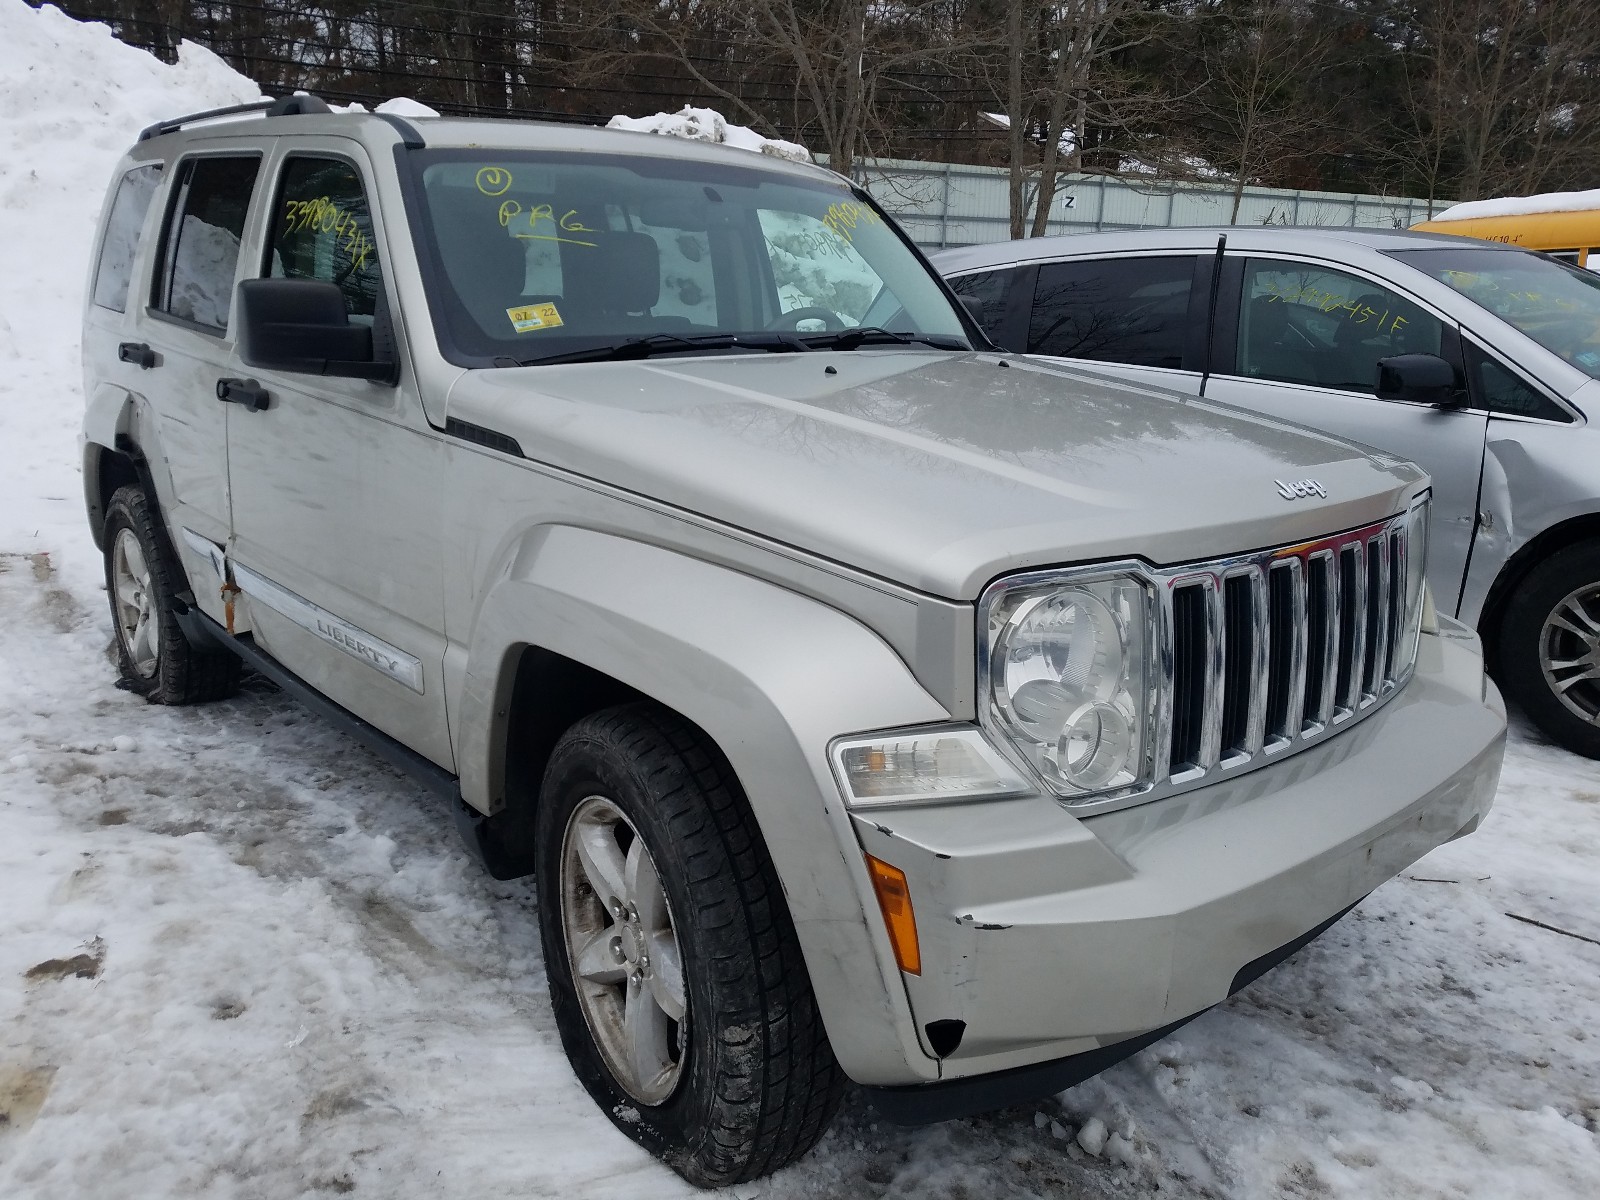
1301,340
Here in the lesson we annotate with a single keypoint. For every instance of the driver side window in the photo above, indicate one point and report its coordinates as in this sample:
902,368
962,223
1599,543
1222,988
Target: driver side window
814,264
1308,325
322,229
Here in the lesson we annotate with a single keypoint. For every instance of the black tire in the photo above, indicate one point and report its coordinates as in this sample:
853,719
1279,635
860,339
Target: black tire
758,1082
1575,569
181,673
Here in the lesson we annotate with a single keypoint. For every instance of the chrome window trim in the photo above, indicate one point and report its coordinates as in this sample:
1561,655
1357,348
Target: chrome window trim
1332,717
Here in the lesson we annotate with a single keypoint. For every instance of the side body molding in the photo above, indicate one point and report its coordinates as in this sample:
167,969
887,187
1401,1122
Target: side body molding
771,676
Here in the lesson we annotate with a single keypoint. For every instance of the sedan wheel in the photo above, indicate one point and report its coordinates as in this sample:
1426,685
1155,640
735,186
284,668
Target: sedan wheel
1569,652
1549,647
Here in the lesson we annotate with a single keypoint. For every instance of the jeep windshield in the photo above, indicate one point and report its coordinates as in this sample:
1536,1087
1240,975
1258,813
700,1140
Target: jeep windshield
1556,305
562,257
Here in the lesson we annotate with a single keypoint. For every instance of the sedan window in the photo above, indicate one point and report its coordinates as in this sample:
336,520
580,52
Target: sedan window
1496,387
1309,325
1123,310
985,293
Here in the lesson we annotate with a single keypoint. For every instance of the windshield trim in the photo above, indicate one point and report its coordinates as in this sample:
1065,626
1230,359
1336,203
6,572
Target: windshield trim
410,164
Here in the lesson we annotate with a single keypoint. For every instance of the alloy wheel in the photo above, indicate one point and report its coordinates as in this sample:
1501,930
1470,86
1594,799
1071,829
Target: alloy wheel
623,948
137,623
1569,651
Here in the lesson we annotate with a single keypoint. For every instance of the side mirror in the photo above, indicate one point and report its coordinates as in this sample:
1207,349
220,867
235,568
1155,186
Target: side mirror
1418,379
975,308
300,325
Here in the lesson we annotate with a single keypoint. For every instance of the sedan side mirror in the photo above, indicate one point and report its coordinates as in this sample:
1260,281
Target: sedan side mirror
1418,379
301,325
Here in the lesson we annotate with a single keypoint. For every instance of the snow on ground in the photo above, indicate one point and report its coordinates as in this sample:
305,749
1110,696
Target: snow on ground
241,958
1519,206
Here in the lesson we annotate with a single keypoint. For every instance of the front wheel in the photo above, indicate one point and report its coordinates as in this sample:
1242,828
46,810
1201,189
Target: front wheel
1550,647
675,975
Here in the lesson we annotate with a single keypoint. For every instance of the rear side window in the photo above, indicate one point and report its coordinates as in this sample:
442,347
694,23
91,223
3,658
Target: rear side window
1126,310
985,294
201,247
322,229
114,272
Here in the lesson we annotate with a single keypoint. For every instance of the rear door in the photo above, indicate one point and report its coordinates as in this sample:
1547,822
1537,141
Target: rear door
1300,339
115,363
336,512
184,328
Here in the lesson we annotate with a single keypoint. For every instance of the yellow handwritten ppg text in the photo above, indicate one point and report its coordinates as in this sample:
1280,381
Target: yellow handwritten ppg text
322,215
843,217
568,222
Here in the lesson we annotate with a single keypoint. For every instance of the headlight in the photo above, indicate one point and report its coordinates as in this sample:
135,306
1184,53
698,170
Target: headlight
1069,678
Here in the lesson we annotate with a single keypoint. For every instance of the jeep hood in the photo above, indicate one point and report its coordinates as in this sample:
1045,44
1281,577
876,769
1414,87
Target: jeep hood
937,470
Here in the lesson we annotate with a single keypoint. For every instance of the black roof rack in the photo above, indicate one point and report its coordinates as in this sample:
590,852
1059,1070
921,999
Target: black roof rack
284,106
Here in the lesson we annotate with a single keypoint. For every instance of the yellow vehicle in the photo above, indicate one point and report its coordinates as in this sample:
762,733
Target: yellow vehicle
1563,224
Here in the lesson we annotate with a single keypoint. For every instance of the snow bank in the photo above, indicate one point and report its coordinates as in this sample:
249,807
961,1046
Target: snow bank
72,100
1521,206
708,125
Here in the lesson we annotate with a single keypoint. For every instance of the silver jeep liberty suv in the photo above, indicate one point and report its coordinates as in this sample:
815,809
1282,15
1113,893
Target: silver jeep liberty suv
867,703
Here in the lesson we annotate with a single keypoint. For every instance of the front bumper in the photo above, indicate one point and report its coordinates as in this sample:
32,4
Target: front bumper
1046,937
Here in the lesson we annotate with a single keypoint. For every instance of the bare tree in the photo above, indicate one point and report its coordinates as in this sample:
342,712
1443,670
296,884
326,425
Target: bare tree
1262,60
831,59
1053,67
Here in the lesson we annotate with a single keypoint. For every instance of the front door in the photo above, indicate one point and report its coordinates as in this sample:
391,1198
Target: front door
336,517
1307,343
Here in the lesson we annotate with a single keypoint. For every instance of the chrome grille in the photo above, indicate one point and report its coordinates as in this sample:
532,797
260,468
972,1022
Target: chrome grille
1279,649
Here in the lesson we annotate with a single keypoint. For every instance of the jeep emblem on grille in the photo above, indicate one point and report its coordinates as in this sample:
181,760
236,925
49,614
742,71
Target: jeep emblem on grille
1300,489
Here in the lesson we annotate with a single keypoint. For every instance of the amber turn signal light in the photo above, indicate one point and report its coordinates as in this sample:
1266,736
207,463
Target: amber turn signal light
894,898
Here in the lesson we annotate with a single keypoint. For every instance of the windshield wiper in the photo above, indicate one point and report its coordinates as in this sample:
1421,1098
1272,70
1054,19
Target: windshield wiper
666,343
862,335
